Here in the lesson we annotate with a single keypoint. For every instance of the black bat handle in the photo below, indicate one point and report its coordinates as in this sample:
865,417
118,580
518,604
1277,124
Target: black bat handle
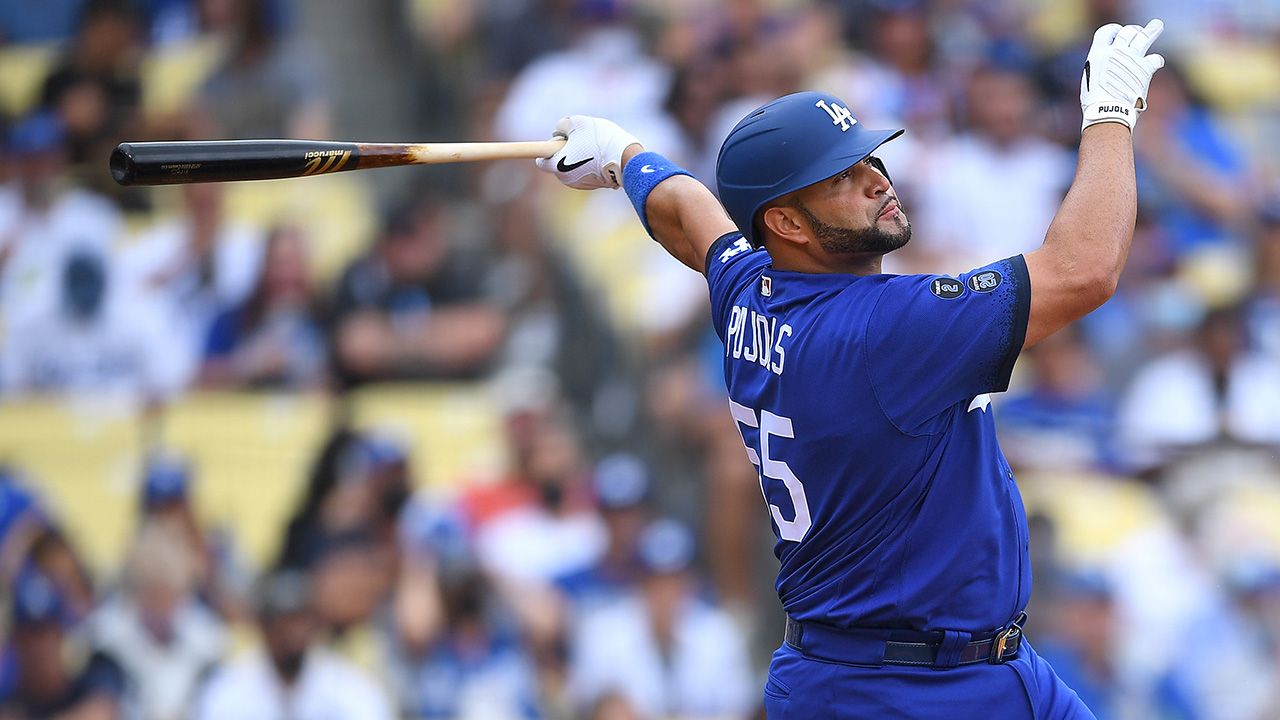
171,163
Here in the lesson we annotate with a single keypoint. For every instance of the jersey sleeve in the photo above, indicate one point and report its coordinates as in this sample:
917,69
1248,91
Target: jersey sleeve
934,341
731,265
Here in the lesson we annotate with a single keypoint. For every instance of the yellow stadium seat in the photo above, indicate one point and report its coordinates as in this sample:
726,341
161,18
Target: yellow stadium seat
23,69
336,211
171,75
83,461
605,242
251,454
453,430
1092,514
1235,75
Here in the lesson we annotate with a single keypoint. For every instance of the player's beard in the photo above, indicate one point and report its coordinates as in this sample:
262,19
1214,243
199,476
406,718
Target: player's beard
839,240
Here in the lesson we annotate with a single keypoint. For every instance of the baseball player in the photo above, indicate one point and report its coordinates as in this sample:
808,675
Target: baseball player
862,397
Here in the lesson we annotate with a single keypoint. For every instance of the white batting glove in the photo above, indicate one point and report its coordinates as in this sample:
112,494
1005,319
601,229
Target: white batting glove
1117,73
592,157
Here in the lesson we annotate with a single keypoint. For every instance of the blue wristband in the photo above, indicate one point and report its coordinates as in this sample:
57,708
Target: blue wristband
641,175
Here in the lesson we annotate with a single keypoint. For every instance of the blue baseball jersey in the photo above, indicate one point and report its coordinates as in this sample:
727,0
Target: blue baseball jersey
862,402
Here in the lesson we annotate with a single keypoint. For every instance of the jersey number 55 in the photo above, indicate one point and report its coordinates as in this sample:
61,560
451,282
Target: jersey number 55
771,425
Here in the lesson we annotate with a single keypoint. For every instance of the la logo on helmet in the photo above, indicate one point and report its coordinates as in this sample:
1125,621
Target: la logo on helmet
840,114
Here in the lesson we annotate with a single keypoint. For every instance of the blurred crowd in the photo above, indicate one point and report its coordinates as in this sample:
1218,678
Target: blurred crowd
618,566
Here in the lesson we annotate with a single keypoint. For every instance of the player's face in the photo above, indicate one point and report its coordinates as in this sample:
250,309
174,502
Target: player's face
855,212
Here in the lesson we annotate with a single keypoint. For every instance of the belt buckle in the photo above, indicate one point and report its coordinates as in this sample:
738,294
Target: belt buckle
1005,638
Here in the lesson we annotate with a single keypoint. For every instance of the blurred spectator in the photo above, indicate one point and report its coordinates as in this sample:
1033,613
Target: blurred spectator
384,458
1064,418
1256,585
667,651
429,535
292,677
42,217
1215,390
96,87
271,84
1262,309
623,491
612,706
352,574
605,70
156,629
898,37
193,266
55,22
219,578
70,324
471,664
273,339
49,684
1079,641
536,525
993,191
1083,644
529,400
411,308
307,524
556,534
1191,176
53,557
344,532
357,488
1243,682
1058,74
92,342
21,523
555,320
169,21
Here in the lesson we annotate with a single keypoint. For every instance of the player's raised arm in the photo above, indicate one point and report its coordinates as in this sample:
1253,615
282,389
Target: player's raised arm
1079,265
677,210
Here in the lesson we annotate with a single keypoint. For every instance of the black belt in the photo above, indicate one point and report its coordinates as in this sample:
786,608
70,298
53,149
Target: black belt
872,646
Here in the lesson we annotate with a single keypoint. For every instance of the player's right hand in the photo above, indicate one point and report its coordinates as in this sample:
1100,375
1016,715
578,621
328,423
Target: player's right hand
592,157
1117,73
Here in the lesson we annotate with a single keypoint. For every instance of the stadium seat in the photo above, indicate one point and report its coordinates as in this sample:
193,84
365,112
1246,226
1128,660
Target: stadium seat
83,463
336,211
172,74
454,429
1093,514
250,454
23,69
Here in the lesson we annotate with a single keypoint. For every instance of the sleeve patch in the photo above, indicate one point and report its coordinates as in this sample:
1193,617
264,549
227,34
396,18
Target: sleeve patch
946,288
985,281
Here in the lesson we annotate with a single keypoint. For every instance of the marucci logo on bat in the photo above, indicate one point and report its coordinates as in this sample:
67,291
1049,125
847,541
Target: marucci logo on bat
320,162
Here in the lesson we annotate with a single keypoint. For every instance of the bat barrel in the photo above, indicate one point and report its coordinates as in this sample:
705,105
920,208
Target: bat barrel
168,163
123,169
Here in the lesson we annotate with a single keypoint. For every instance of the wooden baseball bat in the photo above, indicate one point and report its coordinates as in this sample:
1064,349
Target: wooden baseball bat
174,163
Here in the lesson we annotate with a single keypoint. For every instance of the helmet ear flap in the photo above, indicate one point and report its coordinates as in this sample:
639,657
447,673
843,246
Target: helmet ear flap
878,164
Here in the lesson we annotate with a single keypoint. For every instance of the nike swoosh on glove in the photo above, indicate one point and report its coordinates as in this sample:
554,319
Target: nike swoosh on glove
592,154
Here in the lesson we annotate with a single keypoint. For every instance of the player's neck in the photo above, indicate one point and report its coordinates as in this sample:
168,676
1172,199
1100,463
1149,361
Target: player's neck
789,260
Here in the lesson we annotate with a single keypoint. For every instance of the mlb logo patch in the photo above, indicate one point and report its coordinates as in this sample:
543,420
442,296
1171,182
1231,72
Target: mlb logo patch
766,286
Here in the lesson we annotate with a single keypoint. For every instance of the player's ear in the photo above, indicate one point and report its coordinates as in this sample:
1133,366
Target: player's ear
784,221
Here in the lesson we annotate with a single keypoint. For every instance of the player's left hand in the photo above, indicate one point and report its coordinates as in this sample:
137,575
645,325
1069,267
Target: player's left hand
1117,73
592,157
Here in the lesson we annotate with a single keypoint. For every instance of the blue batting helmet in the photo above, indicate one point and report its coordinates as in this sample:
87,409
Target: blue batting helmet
794,141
